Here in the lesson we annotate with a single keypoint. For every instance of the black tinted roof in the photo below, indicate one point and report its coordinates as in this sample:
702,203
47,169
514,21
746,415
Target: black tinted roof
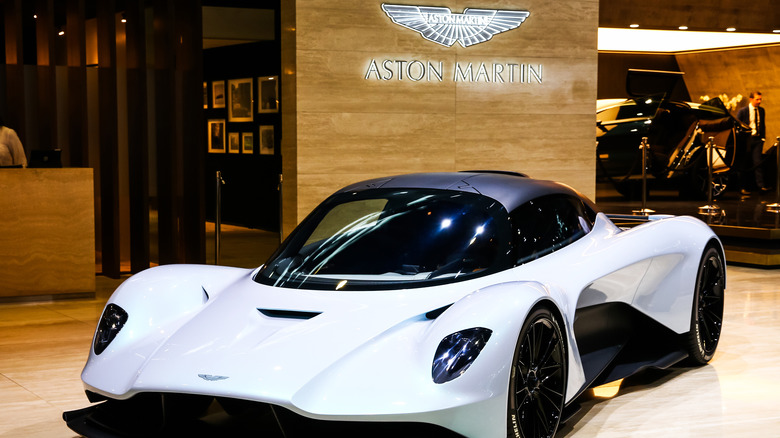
511,190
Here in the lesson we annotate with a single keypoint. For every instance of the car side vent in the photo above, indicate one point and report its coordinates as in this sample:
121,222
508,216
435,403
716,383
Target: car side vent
288,314
433,314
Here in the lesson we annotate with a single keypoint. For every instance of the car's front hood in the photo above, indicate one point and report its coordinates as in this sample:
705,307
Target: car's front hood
312,351
259,340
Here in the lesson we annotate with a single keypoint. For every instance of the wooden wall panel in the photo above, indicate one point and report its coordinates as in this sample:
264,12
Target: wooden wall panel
349,127
734,72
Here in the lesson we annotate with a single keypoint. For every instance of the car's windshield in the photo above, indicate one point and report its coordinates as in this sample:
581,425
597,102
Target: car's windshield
387,239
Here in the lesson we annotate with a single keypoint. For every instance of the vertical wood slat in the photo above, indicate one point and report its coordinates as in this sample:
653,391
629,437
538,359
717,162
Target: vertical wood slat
109,147
192,158
45,31
14,68
138,144
179,117
76,47
168,172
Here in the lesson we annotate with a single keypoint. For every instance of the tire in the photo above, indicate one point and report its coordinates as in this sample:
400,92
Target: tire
537,383
707,315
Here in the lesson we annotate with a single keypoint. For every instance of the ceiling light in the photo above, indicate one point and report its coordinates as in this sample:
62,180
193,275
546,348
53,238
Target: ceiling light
731,29
683,27
633,26
644,40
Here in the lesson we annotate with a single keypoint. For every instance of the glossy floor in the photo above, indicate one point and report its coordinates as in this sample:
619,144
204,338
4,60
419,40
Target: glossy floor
43,347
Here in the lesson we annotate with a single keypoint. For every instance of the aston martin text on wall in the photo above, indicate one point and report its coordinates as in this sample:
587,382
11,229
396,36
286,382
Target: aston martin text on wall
435,71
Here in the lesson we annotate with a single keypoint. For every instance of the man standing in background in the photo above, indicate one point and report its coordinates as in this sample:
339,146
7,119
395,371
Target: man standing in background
754,116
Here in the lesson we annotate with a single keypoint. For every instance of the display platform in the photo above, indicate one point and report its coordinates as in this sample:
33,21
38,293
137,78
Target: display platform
749,230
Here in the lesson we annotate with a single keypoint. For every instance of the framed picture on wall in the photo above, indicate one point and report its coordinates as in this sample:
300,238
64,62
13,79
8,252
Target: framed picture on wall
205,95
266,140
216,133
234,146
247,142
218,94
268,89
240,100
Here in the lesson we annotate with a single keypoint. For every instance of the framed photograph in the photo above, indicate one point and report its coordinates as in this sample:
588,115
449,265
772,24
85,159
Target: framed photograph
240,100
266,140
234,147
247,142
205,95
216,132
268,89
218,94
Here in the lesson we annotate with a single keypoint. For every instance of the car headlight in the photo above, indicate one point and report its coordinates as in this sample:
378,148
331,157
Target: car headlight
113,319
457,352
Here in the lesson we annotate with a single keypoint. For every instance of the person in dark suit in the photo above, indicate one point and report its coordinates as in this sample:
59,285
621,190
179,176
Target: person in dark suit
754,116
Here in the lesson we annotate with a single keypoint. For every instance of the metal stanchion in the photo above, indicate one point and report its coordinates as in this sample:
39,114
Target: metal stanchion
775,207
281,211
710,209
644,211
218,216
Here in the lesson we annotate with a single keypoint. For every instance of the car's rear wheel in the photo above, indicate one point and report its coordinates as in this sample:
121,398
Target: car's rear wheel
708,299
537,384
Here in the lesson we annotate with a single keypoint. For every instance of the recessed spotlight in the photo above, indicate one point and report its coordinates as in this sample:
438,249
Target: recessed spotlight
683,27
731,29
633,26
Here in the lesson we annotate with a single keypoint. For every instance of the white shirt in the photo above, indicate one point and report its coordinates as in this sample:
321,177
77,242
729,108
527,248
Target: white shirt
11,150
753,122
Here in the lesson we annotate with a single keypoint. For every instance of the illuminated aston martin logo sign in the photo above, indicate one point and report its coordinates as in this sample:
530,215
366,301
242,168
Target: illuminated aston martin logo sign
440,25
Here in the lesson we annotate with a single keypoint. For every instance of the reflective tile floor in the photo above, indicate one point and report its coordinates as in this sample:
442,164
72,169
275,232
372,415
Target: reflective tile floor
43,347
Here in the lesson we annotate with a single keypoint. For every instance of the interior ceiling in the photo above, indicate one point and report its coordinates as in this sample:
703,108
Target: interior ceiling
223,26
761,16
686,25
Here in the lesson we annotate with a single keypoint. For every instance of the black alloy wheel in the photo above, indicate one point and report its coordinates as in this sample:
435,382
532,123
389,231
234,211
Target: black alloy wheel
537,385
708,299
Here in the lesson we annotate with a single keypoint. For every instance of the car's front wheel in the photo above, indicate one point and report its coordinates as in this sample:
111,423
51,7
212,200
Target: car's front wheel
537,385
707,315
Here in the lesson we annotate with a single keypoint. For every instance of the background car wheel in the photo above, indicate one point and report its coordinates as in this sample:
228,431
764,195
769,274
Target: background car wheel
707,317
537,385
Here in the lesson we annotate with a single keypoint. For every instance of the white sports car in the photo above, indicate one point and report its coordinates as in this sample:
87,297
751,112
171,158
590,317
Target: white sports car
479,303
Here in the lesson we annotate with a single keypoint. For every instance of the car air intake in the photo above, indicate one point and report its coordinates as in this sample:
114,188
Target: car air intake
288,314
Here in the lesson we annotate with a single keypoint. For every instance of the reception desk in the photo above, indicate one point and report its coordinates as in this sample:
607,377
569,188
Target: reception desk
47,233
